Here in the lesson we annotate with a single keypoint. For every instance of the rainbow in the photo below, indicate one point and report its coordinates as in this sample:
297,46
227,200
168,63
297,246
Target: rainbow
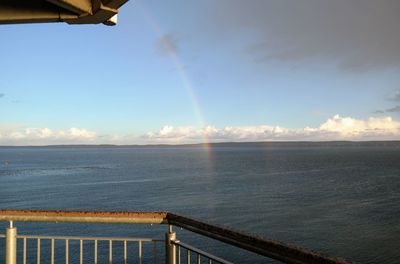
185,78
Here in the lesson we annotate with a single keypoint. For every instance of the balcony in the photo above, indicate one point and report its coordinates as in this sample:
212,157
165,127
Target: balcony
168,249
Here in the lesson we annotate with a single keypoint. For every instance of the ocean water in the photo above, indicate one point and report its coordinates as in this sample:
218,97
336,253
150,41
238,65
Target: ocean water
340,200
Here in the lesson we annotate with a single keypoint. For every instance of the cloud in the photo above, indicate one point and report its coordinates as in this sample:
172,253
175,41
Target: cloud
350,128
395,96
356,35
395,109
335,128
167,45
45,136
2,95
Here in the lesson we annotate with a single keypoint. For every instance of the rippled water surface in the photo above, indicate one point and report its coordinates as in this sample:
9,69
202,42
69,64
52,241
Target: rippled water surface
342,201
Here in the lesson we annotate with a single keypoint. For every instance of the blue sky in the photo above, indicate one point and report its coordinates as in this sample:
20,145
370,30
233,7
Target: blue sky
188,71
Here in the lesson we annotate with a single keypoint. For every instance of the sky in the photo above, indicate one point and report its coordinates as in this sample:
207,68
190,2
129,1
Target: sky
206,71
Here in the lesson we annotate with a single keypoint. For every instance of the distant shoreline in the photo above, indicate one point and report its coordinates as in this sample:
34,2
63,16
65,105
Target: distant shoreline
383,143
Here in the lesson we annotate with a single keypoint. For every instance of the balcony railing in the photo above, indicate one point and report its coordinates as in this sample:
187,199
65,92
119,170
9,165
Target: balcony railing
91,242
176,252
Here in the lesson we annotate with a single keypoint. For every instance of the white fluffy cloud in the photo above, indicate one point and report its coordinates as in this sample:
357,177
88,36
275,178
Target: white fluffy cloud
46,136
335,128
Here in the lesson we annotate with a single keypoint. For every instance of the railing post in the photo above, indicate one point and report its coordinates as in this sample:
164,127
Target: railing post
11,244
170,248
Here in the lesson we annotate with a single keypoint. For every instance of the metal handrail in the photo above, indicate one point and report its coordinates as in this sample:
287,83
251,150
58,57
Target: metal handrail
266,247
84,216
269,248
86,238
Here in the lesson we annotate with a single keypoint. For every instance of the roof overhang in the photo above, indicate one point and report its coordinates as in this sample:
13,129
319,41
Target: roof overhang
69,11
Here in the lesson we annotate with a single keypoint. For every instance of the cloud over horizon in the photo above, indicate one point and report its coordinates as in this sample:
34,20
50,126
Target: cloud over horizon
46,136
335,128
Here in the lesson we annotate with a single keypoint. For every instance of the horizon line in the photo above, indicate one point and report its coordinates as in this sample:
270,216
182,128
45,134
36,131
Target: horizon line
209,143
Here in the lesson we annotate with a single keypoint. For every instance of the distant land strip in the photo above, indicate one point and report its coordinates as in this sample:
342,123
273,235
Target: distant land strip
264,144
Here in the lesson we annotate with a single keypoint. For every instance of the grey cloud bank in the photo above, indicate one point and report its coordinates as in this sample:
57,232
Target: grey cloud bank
356,35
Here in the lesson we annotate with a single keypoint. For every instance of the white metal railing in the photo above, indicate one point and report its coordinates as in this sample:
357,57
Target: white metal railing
175,251
174,248
94,241
36,242
185,253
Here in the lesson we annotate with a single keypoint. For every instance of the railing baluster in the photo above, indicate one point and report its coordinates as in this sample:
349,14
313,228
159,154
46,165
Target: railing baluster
198,258
11,244
24,252
125,252
209,261
95,251
110,252
179,254
140,251
154,253
38,251
81,251
66,251
170,247
52,251
188,256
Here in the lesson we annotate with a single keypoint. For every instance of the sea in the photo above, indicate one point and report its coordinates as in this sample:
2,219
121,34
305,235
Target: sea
338,198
